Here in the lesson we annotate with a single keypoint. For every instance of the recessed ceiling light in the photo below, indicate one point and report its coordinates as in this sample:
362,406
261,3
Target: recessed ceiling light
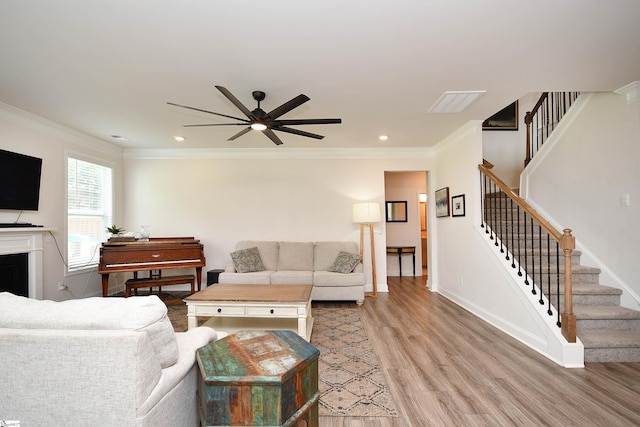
383,137
455,101
119,138
179,138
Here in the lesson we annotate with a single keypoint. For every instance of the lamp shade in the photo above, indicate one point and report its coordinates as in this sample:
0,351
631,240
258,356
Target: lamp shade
366,213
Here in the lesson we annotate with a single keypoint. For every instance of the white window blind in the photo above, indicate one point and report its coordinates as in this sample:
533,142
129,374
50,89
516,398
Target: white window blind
89,211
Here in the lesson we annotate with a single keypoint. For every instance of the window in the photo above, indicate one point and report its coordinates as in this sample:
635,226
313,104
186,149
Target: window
89,211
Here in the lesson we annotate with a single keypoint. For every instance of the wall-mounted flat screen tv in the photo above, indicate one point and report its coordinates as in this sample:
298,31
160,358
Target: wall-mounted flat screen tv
19,181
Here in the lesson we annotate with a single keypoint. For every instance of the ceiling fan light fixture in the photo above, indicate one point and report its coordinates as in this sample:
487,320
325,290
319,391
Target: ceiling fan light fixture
262,121
258,126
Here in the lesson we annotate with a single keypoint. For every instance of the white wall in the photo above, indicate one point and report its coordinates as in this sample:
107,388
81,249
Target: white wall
221,197
405,186
590,163
24,133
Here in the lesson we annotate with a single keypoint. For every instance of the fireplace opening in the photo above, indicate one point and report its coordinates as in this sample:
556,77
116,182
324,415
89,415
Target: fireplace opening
14,274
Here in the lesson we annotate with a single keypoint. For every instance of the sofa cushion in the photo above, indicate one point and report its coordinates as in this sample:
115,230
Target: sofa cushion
329,279
247,260
294,256
255,278
292,277
325,253
268,252
345,262
144,314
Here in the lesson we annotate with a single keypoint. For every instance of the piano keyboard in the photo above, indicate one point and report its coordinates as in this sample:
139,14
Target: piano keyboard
140,264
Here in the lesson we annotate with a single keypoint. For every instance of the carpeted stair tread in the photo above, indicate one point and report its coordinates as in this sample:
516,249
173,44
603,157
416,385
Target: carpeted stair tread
589,289
609,339
575,269
609,312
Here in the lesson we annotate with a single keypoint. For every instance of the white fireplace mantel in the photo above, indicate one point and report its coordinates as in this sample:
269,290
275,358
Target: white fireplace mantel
26,240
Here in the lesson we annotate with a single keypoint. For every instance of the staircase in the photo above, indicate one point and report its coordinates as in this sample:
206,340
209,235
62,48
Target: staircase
609,332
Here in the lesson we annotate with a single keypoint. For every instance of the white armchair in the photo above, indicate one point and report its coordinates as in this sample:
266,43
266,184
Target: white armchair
97,362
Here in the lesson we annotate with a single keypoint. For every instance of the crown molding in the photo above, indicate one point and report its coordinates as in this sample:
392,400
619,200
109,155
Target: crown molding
278,153
631,92
31,121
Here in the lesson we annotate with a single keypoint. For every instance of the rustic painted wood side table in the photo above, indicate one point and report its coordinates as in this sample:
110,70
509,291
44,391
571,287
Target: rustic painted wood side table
258,378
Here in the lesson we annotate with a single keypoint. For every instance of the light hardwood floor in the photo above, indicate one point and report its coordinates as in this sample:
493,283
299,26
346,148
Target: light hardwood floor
446,367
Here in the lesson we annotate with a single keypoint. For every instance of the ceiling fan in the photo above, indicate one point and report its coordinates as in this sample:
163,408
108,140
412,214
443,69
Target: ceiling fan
259,120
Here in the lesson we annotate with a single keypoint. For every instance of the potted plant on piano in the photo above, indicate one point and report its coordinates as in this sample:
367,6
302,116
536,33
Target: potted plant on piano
117,234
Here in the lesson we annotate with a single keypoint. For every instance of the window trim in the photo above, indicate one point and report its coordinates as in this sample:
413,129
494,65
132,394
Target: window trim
89,159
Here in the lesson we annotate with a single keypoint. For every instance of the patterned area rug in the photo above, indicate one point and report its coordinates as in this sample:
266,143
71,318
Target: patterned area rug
351,383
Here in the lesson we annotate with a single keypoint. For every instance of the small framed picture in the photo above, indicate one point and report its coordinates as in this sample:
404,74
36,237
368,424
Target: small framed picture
457,205
442,202
505,119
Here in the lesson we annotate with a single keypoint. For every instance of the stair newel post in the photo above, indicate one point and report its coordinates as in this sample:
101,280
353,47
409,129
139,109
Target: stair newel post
568,243
527,122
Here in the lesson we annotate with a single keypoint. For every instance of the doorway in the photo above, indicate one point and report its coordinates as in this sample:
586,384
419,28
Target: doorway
406,237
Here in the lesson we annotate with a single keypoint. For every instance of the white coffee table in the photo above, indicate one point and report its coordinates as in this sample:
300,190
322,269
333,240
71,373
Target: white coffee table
265,307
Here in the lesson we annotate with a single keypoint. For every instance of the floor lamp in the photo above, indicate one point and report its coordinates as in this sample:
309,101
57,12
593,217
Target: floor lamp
366,214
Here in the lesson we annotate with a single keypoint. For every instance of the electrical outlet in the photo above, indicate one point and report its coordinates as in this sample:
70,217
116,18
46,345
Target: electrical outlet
62,286
625,200
461,282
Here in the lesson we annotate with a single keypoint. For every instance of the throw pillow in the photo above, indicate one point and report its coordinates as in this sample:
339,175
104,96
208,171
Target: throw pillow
345,262
247,260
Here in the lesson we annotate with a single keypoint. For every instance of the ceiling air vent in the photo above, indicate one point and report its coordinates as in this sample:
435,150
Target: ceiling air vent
455,101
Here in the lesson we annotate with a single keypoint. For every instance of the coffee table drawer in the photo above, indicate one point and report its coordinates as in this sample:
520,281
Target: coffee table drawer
228,311
272,311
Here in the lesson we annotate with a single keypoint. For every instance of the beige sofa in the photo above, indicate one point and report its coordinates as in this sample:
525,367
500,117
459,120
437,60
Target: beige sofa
96,362
306,263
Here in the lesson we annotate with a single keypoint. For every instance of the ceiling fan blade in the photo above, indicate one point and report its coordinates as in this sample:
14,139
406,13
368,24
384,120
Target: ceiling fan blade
239,134
236,102
287,106
208,112
299,132
305,122
216,124
272,136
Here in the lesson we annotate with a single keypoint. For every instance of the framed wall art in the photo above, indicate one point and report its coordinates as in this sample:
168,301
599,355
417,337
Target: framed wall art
442,202
457,205
505,119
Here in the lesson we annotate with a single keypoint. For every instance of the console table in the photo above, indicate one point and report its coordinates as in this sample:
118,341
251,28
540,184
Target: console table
403,250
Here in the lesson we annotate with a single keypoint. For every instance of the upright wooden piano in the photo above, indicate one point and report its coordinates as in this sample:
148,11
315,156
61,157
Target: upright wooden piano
156,254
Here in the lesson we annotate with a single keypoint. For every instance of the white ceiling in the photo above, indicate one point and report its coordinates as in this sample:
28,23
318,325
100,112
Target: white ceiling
109,67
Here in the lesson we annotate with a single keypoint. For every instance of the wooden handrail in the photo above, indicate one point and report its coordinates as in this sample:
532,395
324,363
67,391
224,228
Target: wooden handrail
566,242
528,118
551,107
557,235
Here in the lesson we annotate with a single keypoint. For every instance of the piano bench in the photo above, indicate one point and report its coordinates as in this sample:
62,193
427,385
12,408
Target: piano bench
149,282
